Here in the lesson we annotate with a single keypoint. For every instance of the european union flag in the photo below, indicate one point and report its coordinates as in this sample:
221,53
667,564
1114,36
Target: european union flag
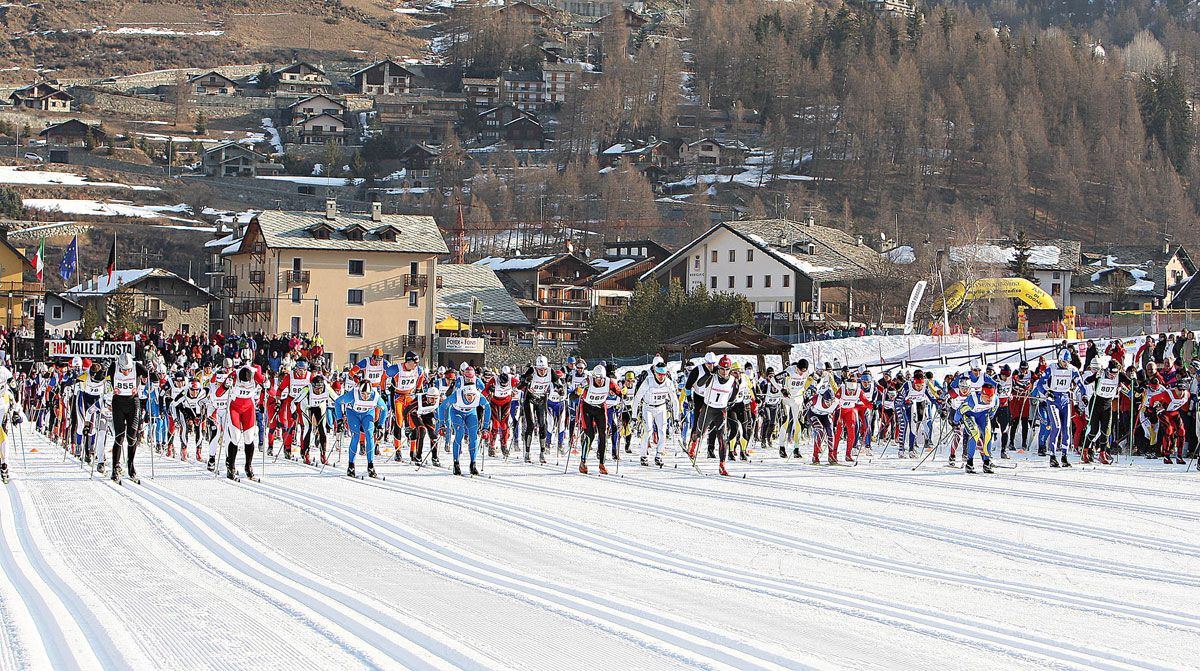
66,269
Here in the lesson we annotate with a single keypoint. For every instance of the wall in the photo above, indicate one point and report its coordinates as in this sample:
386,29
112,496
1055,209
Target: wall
763,298
520,356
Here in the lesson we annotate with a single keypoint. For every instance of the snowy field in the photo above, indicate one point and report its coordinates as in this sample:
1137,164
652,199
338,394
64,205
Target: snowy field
791,567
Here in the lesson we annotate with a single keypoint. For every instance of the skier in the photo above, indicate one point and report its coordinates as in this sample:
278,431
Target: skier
462,410
1055,388
317,403
247,394
407,382
593,416
658,400
535,386
771,392
425,424
219,398
127,379
290,415
975,414
499,391
361,409
718,390
1104,403
1170,404
11,416
796,381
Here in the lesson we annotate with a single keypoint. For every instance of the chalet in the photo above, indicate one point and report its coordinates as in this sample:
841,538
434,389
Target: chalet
314,106
714,152
791,272
385,78
552,291
902,8
1053,263
63,315
212,83
230,159
482,91
494,121
162,299
73,133
300,79
1126,277
631,20
44,96
525,89
624,262
419,118
652,156
420,165
320,129
523,13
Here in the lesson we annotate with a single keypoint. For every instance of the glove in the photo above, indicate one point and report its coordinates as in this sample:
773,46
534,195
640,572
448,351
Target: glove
486,434
16,419
441,431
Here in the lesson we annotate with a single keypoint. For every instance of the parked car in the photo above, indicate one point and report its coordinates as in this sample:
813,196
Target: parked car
30,156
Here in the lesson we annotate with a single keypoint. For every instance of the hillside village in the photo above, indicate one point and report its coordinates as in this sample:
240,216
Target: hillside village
548,155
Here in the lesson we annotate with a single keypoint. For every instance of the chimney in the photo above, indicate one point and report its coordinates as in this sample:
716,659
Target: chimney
858,241
331,209
808,221
1166,244
376,211
812,248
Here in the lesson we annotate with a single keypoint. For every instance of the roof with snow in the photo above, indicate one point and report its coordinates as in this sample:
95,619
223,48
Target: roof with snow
1136,269
1063,255
821,253
902,256
514,264
463,282
105,285
609,266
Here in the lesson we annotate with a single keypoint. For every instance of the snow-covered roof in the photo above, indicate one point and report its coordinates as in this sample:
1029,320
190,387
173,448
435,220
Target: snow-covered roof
500,264
1043,254
901,256
610,266
105,285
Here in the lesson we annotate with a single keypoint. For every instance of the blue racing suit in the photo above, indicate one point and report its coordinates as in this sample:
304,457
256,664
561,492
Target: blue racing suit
462,410
975,415
361,414
1055,388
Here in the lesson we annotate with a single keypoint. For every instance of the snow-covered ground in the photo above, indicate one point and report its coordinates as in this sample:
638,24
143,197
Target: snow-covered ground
11,174
791,567
95,208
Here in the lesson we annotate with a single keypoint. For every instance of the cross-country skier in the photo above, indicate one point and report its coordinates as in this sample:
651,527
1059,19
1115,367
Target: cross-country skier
975,414
462,411
535,386
657,399
361,409
1055,388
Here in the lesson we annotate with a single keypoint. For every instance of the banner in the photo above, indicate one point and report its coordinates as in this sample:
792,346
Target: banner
91,349
914,300
460,345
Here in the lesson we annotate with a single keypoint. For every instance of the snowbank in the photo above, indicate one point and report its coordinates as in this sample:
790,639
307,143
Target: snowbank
11,174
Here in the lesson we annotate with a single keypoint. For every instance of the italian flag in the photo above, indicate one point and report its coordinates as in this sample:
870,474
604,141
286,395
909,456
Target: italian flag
39,261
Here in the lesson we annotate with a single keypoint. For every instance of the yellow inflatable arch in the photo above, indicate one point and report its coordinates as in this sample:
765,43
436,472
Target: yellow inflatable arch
1007,287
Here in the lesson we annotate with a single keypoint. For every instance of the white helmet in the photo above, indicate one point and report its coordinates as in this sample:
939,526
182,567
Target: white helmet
505,370
541,362
710,359
599,371
76,362
125,361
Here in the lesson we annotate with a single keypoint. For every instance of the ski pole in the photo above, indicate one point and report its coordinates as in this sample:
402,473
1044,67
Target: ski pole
21,440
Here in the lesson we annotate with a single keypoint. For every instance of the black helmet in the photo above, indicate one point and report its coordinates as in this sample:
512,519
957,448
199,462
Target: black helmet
245,375
410,356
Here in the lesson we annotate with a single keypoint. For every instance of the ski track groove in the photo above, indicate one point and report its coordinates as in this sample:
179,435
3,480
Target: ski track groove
612,616
958,537
1014,643
96,637
240,583
1085,531
1073,599
273,573
1037,496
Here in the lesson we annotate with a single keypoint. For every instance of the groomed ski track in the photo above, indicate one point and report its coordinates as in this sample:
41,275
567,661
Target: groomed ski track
793,567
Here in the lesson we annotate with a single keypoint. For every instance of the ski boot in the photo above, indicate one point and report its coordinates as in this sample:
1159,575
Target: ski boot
1085,457
306,457
796,453
474,469
212,464
743,456
712,454
230,472
912,453
583,467
1063,463
1179,461
603,469
491,452
528,459
1053,461
4,473
457,468
249,471
969,466
783,452
721,469
396,455
324,457
1004,453
953,460
1104,458
816,461
1041,450
987,466
371,470
542,457
198,455
87,456
350,471
100,468
130,472
645,461
833,460
658,462
116,473
433,458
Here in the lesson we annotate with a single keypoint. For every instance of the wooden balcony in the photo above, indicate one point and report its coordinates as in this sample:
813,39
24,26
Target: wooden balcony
413,342
297,278
229,285
258,278
154,315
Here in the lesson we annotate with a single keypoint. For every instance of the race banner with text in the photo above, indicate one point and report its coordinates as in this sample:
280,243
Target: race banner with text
90,349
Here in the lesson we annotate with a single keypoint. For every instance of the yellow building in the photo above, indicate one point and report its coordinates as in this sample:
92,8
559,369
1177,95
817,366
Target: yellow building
358,280
14,291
